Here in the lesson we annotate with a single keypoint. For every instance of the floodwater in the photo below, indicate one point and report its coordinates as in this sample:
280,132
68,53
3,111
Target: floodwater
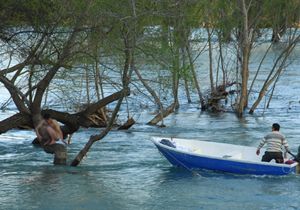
126,171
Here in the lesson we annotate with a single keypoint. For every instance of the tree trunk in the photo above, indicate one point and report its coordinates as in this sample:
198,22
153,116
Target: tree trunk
160,116
245,46
258,69
130,122
186,83
129,45
151,91
211,75
175,77
272,77
191,64
95,138
87,84
71,122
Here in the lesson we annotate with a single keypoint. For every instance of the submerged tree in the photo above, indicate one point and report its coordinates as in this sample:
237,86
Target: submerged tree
47,46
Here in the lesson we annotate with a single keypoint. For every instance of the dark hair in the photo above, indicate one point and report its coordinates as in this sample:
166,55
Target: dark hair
276,126
46,116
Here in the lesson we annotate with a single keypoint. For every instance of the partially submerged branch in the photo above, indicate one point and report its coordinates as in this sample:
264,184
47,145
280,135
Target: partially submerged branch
100,136
160,116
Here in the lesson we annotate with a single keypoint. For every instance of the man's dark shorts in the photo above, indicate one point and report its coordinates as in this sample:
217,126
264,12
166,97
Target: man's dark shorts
268,156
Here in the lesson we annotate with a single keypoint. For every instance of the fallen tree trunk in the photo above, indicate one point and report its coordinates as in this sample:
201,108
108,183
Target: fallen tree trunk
72,122
161,116
19,120
130,122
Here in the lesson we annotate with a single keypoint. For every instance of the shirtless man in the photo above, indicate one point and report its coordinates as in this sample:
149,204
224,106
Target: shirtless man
54,124
48,131
47,136
45,133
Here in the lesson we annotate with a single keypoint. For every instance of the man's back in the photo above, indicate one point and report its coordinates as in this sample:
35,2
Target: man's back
274,141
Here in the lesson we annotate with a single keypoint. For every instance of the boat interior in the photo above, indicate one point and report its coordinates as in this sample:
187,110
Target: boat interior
216,150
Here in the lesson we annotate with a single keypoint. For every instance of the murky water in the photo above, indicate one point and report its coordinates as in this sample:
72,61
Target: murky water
126,171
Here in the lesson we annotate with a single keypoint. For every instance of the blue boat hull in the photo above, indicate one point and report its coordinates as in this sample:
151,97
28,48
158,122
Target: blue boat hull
190,162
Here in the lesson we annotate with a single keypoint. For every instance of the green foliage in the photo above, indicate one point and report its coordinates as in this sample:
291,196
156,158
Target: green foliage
278,12
157,30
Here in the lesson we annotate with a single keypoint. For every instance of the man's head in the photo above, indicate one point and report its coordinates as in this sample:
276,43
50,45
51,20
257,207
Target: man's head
46,116
275,127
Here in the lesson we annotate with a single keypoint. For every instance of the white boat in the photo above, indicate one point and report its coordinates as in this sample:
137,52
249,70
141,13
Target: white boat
196,154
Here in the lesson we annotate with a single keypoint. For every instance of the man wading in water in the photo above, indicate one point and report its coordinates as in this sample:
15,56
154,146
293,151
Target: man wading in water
47,135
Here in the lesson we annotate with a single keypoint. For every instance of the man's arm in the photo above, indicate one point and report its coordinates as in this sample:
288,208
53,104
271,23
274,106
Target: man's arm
261,144
285,144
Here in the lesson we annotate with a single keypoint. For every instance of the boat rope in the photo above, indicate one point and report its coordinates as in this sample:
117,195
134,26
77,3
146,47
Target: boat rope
182,164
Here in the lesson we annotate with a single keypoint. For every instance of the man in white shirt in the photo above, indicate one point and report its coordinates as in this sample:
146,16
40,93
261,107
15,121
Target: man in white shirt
274,141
